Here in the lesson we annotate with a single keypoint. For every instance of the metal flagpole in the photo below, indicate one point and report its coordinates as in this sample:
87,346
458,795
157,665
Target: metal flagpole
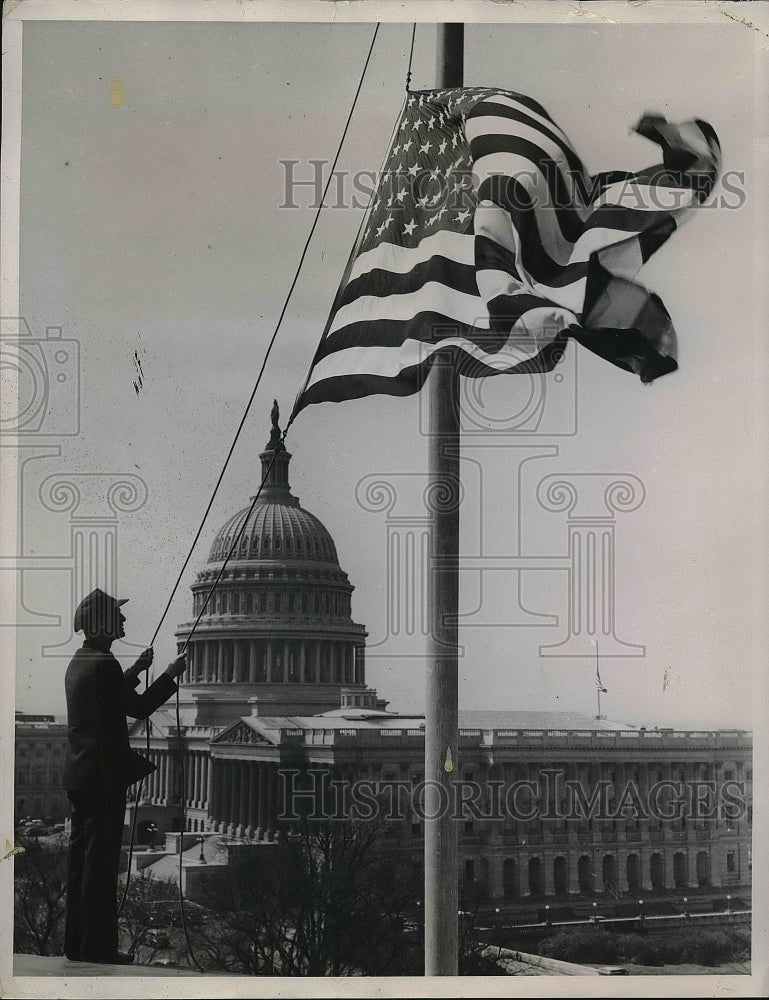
441,717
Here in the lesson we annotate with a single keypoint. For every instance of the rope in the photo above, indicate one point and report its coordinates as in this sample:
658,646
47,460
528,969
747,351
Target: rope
198,533
411,56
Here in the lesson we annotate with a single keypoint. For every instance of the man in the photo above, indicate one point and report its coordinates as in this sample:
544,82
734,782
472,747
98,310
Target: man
98,768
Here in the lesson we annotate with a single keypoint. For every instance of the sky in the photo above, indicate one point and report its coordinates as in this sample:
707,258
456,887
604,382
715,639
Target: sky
154,222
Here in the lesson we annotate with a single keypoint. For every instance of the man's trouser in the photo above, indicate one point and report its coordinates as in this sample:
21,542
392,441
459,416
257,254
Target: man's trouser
91,933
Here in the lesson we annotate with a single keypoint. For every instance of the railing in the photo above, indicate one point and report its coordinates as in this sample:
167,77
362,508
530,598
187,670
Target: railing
528,738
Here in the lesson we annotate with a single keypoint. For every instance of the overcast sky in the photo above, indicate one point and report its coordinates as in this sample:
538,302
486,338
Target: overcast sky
151,221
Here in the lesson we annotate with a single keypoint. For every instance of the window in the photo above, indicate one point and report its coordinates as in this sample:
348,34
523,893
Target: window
748,773
728,775
731,864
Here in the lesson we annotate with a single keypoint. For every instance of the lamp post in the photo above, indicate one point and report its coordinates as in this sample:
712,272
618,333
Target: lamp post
641,911
728,904
547,914
594,916
201,859
686,907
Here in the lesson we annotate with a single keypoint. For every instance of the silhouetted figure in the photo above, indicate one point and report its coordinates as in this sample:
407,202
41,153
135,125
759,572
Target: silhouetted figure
98,768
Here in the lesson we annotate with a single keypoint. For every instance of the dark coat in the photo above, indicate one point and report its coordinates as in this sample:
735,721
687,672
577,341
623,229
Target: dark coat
99,697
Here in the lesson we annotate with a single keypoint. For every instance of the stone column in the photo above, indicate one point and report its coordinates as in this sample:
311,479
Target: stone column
668,854
253,792
198,794
242,798
303,661
214,792
263,799
573,860
273,798
212,808
237,662
622,881
268,660
163,795
692,864
548,860
523,875
495,886
232,798
316,658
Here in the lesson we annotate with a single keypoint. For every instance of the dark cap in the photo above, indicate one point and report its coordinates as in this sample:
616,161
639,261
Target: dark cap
96,602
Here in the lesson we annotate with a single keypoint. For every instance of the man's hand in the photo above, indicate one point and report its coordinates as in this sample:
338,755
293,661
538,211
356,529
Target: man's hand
145,660
177,668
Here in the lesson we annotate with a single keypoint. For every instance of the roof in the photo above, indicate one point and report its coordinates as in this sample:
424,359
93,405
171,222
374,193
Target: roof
535,720
371,719
340,718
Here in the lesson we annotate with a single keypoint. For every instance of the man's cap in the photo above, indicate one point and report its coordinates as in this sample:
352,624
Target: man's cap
96,602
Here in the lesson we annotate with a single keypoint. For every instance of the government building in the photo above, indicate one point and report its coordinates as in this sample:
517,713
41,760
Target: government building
275,703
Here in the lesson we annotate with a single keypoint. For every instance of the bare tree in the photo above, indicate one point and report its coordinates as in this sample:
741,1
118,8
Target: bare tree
40,887
136,915
329,901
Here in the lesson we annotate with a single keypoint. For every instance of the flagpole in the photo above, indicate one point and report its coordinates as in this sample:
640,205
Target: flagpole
442,701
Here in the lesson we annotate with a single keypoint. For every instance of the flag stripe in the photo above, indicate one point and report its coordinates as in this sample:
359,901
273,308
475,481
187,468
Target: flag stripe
381,282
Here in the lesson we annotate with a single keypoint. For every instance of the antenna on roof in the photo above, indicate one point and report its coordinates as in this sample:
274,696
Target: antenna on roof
600,689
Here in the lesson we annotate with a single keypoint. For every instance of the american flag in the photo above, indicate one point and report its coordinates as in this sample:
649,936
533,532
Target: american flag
487,235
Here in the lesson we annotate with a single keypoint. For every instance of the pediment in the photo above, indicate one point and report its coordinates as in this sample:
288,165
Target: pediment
241,733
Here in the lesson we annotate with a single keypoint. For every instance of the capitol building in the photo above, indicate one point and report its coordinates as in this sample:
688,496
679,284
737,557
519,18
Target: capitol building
276,687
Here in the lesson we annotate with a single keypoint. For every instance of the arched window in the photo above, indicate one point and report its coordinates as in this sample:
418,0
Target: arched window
291,602
263,601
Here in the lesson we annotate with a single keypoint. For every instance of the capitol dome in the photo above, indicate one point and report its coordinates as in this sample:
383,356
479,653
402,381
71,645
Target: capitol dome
276,529
272,623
